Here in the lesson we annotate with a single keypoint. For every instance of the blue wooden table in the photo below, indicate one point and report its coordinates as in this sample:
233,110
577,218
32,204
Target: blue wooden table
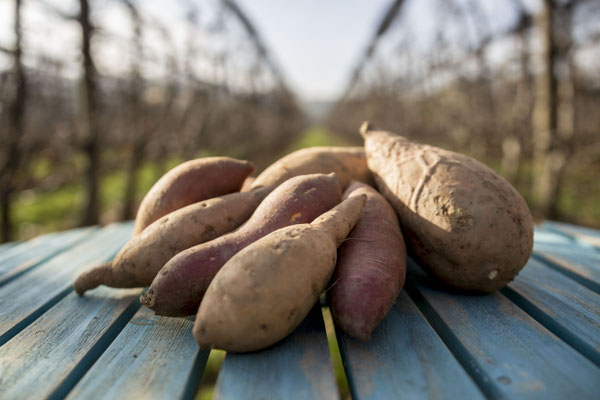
538,338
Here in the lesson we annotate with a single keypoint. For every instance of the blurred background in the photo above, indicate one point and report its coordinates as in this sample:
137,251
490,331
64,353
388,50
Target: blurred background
98,98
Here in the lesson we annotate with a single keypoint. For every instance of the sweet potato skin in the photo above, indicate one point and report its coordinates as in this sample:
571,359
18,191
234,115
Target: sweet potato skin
371,266
190,182
465,224
348,163
138,262
247,186
180,285
265,291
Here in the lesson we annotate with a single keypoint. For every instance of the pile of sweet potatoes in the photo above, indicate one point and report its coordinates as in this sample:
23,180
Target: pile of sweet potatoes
251,256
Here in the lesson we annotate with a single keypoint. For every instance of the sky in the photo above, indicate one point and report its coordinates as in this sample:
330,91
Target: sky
316,43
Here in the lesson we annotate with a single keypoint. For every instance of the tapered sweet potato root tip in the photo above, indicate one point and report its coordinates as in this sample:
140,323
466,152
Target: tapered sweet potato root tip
340,220
92,278
148,298
365,127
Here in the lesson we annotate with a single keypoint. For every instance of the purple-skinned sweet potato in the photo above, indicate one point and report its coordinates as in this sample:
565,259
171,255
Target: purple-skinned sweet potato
371,266
180,285
190,182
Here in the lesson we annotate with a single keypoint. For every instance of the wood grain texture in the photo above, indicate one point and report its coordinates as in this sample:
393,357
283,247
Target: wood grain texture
5,246
152,358
585,235
298,367
542,235
405,358
27,297
580,265
25,256
47,357
505,350
565,255
568,309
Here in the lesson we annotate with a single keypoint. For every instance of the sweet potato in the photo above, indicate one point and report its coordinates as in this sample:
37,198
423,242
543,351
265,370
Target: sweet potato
190,182
371,266
247,186
464,224
180,285
348,163
263,293
144,255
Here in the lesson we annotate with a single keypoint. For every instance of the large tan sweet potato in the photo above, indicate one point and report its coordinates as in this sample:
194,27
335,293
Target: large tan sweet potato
190,182
371,266
465,224
144,255
180,285
348,163
265,291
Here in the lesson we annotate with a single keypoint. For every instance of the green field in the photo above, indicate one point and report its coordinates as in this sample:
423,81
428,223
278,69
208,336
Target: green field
39,211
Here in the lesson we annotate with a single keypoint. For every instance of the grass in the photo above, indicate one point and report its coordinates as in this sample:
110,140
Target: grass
316,136
209,377
37,212
336,358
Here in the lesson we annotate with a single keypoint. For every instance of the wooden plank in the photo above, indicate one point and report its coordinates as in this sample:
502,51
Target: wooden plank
22,258
542,235
24,301
575,262
586,235
50,355
5,246
507,352
25,248
298,367
568,309
404,358
567,256
152,358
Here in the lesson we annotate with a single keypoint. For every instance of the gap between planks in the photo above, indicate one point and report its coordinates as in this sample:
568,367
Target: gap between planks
550,263
552,325
87,361
39,311
573,237
468,362
462,355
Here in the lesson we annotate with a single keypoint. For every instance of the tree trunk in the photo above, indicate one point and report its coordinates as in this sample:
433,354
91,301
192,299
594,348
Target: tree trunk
138,129
554,111
15,132
89,120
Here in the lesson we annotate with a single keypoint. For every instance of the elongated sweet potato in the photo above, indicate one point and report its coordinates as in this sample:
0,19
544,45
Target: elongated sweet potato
265,291
144,255
348,163
190,182
180,285
247,184
465,224
371,266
